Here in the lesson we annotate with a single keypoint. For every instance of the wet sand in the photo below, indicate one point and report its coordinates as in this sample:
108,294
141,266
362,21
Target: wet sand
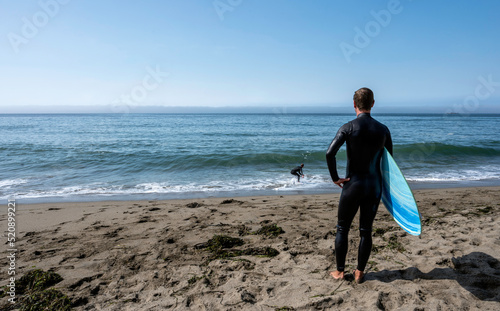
148,255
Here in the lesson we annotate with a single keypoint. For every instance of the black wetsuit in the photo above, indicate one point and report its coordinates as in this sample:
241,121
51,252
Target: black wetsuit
365,140
297,172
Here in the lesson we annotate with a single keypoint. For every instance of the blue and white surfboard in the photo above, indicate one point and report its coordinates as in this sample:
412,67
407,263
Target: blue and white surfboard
397,196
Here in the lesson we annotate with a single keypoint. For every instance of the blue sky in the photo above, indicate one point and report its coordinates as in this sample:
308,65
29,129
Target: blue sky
422,55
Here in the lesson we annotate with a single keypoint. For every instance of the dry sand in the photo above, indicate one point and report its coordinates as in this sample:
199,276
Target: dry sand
141,255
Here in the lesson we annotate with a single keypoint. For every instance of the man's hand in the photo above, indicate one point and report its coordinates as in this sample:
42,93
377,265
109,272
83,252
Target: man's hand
341,182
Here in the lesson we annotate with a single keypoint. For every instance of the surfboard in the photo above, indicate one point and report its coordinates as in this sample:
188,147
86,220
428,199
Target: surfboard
398,197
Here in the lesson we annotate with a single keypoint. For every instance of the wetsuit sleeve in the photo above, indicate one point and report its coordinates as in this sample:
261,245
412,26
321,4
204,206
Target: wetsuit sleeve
331,153
388,142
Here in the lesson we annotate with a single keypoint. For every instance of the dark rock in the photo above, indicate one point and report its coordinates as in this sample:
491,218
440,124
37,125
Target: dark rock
193,205
248,297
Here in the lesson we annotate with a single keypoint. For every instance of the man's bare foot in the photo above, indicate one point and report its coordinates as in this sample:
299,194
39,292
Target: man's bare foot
337,275
359,276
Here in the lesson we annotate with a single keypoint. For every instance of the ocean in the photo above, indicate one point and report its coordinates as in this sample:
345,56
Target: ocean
87,157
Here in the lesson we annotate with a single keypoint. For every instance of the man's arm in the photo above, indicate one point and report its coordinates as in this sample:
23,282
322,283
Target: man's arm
337,142
388,142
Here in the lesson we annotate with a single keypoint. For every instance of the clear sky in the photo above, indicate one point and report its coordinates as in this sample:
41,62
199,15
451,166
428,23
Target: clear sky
428,55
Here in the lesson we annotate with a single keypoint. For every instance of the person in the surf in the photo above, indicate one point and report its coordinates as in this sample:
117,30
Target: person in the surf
297,171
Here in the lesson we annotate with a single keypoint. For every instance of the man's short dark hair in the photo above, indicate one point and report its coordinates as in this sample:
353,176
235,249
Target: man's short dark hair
363,98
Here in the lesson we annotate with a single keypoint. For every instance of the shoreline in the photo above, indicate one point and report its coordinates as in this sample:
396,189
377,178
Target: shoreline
243,193
131,255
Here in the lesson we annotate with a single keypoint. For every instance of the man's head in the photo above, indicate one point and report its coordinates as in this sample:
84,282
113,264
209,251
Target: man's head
302,165
363,99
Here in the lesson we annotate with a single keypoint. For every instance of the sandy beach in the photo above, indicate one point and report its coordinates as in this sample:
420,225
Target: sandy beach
156,255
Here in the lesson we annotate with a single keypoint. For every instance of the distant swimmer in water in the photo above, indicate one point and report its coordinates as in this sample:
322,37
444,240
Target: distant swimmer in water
298,172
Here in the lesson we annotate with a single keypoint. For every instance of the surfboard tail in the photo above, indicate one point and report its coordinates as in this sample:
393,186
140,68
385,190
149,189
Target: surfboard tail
398,197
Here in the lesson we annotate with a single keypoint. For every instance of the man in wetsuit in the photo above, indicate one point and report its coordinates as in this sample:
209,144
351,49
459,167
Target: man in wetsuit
365,140
298,172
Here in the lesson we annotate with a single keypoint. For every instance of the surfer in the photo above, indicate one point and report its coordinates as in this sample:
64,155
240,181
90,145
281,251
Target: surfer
362,186
298,172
